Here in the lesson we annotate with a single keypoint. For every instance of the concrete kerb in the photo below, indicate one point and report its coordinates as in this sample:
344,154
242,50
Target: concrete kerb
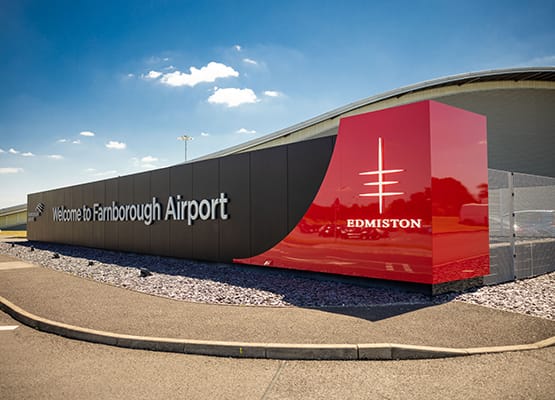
280,351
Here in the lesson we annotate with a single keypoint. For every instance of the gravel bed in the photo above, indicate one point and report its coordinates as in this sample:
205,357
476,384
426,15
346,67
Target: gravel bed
218,283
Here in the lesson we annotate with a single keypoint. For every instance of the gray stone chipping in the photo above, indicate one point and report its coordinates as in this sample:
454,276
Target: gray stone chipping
219,283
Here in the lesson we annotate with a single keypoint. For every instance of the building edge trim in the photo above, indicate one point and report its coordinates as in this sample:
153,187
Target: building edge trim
528,74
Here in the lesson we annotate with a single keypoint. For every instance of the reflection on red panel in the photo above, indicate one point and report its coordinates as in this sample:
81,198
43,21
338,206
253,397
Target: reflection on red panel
404,198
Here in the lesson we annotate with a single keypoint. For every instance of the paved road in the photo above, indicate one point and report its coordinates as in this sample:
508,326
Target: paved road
35,365
81,302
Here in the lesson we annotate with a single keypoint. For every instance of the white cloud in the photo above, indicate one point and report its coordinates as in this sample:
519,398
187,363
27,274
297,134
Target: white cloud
249,61
105,173
113,144
13,151
153,75
28,154
55,157
62,140
272,93
153,60
10,170
170,68
2,151
145,162
95,172
204,134
86,133
130,75
76,142
148,159
237,47
243,130
208,73
233,97
544,61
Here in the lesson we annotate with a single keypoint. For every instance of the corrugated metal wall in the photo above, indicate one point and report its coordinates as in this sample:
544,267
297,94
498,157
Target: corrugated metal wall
14,221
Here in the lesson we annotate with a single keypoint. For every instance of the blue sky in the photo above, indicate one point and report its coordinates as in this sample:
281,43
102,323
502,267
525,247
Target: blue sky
96,89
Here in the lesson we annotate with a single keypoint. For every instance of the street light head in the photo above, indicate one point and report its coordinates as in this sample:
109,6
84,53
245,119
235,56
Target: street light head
185,139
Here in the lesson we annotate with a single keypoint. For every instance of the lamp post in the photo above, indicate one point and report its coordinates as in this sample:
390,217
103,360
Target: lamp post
185,139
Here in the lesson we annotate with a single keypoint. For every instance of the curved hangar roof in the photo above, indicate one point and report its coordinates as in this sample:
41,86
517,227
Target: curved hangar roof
519,105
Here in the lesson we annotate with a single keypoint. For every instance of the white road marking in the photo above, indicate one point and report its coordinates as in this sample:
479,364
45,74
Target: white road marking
4,266
8,327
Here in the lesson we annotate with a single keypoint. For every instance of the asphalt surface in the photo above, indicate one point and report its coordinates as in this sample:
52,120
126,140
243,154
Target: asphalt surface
71,300
36,365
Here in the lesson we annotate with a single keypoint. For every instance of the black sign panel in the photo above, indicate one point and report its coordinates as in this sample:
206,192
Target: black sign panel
230,207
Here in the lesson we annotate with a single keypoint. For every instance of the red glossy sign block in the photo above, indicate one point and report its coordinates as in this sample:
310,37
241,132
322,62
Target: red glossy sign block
404,198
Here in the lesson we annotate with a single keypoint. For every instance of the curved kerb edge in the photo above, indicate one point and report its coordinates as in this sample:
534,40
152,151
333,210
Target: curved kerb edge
280,351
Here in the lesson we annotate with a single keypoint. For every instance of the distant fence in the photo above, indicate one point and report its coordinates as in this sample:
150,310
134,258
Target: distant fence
522,225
